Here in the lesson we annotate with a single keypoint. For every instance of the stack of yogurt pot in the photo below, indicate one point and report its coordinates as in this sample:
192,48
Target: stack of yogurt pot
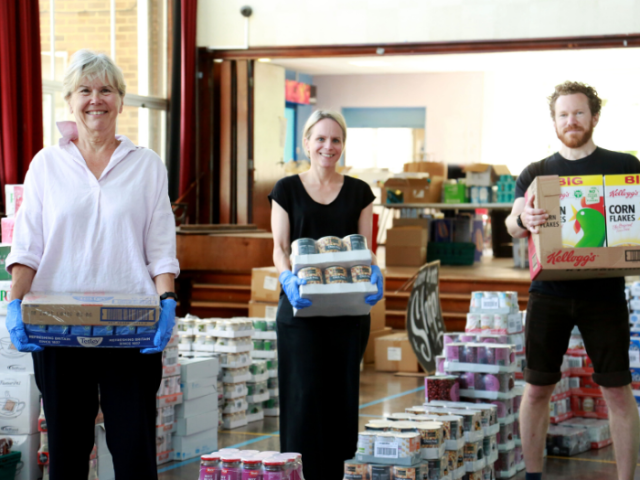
231,463
485,364
264,395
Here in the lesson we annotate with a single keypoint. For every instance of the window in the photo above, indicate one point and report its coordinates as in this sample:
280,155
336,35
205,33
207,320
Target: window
134,33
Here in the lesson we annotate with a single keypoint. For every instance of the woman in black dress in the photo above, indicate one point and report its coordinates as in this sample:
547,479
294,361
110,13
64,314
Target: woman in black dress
319,357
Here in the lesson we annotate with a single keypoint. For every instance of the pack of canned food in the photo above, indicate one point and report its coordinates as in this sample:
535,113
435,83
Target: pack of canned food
337,272
435,469
231,463
379,437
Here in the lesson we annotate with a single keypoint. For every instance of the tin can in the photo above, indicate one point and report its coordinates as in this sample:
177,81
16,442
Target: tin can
380,472
403,426
448,338
408,473
500,322
502,355
467,380
431,434
313,276
335,274
329,244
473,451
452,352
487,321
442,387
474,322
361,274
469,354
378,426
506,461
304,246
435,467
354,470
408,444
355,242
366,441
482,356
452,459
505,435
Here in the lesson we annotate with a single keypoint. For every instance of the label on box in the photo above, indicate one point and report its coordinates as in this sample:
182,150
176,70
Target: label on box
394,354
490,303
622,194
582,212
386,448
270,283
270,312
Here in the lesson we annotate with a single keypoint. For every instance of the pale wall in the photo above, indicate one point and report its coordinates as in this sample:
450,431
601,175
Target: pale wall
454,103
314,22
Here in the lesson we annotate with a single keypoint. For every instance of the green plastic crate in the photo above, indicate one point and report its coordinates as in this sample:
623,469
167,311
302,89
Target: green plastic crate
8,465
453,253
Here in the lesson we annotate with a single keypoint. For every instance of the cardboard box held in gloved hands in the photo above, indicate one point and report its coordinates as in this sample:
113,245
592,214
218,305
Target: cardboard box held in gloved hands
548,260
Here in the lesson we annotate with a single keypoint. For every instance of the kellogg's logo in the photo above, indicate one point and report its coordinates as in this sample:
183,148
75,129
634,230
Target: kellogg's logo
89,341
570,257
564,195
621,192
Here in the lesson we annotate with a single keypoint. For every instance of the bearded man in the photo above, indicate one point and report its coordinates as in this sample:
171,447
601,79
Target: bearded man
598,307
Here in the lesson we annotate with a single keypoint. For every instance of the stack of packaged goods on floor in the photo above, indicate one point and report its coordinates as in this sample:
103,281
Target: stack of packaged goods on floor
19,398
231,463
196,415
633,297
169,395
263,387
264,369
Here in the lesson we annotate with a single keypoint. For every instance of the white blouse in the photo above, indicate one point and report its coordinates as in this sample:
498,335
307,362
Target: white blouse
82,234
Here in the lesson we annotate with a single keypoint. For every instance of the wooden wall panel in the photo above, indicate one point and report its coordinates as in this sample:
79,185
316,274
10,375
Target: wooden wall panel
226,147
242,139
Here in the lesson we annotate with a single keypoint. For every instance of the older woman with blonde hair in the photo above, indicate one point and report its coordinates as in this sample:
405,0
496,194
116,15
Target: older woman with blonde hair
319,357
96,217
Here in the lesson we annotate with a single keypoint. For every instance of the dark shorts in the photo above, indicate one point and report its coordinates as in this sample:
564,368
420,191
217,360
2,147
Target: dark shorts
605,330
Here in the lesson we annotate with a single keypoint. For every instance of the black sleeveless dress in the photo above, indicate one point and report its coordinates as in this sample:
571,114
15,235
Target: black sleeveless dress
319,357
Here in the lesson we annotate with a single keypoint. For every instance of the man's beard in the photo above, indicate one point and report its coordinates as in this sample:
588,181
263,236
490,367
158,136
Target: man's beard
575,137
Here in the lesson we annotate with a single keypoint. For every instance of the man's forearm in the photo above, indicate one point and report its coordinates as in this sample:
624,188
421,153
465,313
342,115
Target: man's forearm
512,227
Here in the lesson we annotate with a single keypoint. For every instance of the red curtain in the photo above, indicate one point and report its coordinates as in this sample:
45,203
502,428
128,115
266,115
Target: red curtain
20,88
189,15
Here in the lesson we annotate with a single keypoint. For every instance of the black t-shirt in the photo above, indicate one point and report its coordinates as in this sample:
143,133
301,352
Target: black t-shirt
600,162
309,219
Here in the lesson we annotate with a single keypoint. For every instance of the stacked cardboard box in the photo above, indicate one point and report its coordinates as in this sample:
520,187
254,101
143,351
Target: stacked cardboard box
265,293
14,200
197,414
406,246
393,353
265,350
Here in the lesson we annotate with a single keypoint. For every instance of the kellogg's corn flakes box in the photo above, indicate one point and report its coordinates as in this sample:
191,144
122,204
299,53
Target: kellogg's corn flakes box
582,213
622,201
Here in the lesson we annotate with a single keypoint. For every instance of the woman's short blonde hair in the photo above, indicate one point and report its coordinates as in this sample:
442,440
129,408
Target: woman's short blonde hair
321,115
88,64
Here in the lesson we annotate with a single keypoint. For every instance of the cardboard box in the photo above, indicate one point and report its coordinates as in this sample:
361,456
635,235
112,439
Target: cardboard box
412,222
406,247
192,369
194,407
336,299
434,169
5,249
378,316
455,193
191,446
549,261
11,360
484,174
103,309
27,445
198,423
394,353
370,352
199,388
19,404
412,190
263,309
265,286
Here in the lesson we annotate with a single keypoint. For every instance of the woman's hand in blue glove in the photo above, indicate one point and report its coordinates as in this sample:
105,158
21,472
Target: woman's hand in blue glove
165,326
16,328
291,286
376,279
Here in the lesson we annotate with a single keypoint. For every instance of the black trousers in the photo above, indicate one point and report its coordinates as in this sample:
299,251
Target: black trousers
319,379
127,381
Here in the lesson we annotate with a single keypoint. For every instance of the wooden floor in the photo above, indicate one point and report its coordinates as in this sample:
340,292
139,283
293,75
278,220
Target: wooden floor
380,394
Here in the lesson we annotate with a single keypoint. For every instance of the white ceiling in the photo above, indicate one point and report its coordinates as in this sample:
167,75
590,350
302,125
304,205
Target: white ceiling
622,59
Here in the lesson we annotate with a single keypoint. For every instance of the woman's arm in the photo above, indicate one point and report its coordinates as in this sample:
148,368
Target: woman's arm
281,237
165,282
21,280
365,227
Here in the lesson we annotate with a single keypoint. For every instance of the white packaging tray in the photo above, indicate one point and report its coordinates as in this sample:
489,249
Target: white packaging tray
244,363
240,391
274,392
491,430
486,395
475,466
232,349
263,377
457,474
238,405
432,453
507,447
255,417
454,444
507,474
471,437
477,367
520,466
260,335
230,425
323,260
272,412
184,348
273,373
227,378
231,333
268,354
263,397
338,299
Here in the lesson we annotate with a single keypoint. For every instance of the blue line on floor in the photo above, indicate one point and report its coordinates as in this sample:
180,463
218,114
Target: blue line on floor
260,439
402,394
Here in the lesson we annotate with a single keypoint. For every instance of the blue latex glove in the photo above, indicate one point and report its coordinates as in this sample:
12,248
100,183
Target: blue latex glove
376,279
291,286
165,326
16,328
